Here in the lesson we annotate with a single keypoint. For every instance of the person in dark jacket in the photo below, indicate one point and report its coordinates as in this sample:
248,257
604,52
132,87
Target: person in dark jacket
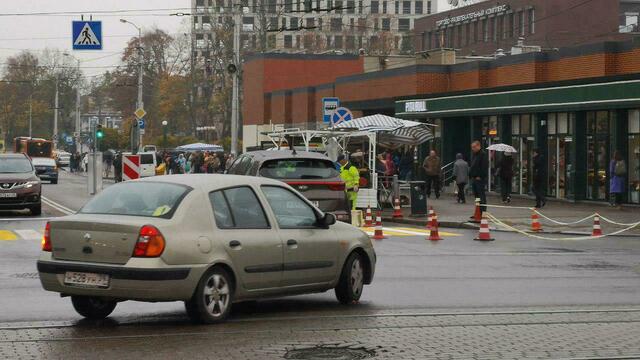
505,173
478,173
461,174
539,178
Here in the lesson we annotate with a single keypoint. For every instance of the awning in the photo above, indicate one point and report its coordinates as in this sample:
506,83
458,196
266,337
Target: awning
200,147
392,132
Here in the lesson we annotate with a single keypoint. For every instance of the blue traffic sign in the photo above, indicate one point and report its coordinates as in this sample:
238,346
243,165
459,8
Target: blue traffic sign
329,105
341,114
140,123
87,35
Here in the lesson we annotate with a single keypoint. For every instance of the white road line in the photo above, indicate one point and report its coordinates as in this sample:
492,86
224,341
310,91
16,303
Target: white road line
28,234
57,206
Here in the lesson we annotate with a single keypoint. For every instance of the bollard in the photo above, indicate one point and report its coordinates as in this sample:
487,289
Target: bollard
430,217
368,220
377,233
433,234
397,211
597,230
477,214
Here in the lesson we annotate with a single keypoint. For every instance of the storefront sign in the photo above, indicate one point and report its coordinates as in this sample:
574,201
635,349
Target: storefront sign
415,106
473,15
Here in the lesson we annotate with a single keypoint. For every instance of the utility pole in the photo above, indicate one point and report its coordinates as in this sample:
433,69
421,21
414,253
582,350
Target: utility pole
235,116
30,111
78,125
55,118
140,105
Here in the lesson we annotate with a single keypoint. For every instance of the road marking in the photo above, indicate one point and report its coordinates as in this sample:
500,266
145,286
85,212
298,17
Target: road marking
63,209
28,234
8,235
399,231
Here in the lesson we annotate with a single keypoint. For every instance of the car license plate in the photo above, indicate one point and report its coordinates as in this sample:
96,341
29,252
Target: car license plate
86,279
8,195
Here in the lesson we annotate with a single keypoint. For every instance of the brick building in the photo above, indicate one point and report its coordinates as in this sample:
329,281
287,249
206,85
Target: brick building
576,104
487,26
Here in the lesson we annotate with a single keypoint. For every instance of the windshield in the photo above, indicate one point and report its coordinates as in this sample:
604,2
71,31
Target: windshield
138,199
15,165
39,149
146,158
299,169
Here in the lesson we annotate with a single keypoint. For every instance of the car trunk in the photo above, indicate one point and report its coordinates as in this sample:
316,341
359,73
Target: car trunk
326,194
101,240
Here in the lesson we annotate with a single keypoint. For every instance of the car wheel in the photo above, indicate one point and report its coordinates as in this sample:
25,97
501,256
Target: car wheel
36,210
93,307
351,281
211,302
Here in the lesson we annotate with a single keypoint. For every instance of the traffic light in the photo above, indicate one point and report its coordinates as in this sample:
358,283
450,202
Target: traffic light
99,132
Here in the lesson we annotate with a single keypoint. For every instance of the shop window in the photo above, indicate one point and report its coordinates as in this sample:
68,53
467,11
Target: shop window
515,124
551,124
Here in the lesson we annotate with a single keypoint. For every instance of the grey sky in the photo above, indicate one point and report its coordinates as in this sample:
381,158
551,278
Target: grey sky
54,31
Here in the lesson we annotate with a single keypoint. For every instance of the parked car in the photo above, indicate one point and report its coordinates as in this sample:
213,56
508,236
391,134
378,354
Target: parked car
207,240
63,158
313,174
19,186
46,169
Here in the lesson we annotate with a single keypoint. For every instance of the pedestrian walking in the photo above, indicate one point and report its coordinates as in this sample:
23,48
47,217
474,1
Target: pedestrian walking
505,174
617,173
478,172
539,178
432,169
182,164
461,174
117,167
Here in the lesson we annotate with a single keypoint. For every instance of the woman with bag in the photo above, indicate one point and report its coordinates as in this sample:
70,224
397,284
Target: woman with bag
617,172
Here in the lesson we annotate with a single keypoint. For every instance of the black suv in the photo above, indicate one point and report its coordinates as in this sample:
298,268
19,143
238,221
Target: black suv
19,186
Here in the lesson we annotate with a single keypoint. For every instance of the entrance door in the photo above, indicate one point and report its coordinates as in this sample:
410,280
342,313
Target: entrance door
597,169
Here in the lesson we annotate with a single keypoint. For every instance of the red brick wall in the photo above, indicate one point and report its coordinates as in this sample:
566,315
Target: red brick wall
253,105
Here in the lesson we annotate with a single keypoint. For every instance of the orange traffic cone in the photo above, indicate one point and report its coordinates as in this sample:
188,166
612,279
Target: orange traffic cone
377,233
433,234
597,230
483,233
397,212
477,214
430,217
535,222
368,219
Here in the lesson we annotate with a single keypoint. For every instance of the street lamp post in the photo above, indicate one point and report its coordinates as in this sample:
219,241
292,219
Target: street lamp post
164,133
140,104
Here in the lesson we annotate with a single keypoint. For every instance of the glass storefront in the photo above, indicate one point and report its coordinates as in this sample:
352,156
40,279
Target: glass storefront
559,156
489,132
523,139
599,124
633,158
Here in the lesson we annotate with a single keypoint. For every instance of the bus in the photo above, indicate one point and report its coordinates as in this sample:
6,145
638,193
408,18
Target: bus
33,147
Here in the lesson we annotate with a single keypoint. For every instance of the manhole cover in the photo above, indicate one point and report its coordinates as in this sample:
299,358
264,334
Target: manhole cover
329,352
25,275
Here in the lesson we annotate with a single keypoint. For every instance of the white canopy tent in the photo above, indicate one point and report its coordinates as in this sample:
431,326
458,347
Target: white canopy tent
377,129
200,147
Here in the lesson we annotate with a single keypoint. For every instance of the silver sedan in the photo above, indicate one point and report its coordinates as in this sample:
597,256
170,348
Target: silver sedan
207,240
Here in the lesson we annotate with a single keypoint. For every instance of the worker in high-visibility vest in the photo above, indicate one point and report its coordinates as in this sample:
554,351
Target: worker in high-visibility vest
351,177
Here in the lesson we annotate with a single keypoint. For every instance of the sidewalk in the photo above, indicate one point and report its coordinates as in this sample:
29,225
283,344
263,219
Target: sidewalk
452,214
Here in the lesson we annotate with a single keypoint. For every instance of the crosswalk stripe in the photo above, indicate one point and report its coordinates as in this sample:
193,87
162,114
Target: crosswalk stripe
8,235
29,234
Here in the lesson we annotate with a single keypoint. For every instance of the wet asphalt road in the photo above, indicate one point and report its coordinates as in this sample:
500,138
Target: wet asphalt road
413,277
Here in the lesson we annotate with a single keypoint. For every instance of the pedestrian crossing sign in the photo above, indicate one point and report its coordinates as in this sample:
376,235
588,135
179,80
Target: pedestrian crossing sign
87,35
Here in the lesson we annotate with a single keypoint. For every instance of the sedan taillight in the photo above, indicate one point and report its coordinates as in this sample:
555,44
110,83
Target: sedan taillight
46,238
150,242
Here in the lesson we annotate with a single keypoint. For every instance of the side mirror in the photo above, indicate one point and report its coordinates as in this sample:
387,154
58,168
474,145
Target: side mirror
328,220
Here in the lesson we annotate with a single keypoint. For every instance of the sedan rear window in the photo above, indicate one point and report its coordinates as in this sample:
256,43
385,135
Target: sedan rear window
299,169
138,199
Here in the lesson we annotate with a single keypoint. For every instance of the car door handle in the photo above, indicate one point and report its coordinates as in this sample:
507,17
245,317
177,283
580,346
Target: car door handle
291,242
234,243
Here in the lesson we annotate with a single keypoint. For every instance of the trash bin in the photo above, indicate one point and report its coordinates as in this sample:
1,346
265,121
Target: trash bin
418,198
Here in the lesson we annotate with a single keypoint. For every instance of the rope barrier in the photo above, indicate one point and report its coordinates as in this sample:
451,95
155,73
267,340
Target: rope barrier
507,207
613,222
564,223
522,232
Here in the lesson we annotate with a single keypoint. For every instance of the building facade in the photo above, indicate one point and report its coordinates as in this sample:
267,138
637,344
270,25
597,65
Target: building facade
484,27
576,105
326,25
